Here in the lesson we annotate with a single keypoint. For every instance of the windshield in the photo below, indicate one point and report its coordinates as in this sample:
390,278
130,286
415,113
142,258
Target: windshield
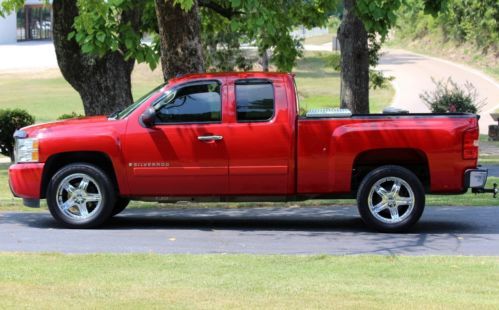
125,112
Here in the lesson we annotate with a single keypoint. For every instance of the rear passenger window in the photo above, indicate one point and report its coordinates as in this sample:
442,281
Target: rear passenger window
254,100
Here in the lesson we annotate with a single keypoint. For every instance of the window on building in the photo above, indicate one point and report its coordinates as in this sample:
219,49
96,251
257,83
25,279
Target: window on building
34,22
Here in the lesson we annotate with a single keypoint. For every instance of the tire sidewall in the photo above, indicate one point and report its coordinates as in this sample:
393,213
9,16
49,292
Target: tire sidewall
390,171
120,205
108,194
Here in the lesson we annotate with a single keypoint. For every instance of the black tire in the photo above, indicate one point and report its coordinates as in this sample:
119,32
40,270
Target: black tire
98,212
120,205
389,204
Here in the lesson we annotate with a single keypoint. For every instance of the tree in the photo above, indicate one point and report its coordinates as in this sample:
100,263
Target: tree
264,24
176,30
179,30
222,46
352,34
103,81
363,29
97,42
102,78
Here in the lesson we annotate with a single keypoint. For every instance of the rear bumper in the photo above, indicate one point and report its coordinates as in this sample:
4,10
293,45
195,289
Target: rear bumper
25,180
475,178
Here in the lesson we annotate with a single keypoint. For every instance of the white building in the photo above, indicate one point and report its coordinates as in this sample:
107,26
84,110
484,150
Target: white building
32,22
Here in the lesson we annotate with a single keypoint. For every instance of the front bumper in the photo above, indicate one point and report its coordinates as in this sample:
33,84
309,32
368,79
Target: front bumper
25,180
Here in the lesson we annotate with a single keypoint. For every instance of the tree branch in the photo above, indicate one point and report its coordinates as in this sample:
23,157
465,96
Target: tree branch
225,12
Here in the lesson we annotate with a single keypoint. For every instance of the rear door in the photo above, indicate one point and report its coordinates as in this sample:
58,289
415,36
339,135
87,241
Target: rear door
259,137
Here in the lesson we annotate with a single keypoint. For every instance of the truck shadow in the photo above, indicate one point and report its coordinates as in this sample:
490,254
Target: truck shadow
333,225
334,219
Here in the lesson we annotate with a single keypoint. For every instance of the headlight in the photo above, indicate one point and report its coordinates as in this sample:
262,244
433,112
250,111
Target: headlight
26,150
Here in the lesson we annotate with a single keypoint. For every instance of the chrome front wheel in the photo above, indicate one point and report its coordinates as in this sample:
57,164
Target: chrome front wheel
81,195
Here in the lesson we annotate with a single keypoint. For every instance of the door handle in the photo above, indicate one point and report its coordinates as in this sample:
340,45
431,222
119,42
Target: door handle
210,138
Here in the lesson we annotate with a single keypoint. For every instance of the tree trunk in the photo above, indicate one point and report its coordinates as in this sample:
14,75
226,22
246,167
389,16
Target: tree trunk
181,50
104,84
354,61
265,60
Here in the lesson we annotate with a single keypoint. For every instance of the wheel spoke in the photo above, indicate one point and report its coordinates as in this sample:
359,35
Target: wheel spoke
93,197
381,191
396,187
394,213
68,204
69,188
83,209
380,207
84,184
403,201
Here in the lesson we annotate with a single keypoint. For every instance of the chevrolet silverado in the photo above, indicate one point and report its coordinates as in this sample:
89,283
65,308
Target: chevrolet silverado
241,137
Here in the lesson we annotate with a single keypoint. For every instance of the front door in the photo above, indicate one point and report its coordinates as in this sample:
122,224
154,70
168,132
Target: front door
184,154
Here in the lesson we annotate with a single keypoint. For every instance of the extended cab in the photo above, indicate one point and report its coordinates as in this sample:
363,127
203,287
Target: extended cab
239,136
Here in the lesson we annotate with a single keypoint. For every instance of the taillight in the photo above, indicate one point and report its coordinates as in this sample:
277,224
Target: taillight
470,144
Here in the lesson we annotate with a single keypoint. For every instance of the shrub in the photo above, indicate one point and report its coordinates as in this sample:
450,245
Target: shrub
448,97
378,80
333,60
70,115
10,121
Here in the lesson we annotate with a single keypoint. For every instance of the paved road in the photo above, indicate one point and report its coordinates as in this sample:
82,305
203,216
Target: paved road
312,230
413,74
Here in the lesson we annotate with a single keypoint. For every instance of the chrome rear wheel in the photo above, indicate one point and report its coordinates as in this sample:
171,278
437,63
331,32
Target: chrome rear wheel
391,199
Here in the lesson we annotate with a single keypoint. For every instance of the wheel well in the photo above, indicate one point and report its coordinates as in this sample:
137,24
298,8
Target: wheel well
411,159
57,161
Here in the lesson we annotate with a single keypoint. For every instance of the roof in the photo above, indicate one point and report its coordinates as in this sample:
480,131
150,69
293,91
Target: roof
193,76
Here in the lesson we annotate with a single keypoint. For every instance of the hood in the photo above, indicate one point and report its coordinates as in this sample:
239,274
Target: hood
82,123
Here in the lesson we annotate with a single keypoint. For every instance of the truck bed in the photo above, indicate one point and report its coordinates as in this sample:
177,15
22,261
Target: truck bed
331,148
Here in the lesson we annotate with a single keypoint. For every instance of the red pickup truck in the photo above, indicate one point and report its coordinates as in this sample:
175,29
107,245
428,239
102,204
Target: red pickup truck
240,137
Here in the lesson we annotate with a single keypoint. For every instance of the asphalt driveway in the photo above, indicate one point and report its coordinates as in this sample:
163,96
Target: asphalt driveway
307,230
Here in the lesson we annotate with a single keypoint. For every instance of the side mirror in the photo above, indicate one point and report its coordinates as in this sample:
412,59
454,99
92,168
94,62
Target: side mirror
148,116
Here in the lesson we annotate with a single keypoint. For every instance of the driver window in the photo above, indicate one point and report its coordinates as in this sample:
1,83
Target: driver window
197,103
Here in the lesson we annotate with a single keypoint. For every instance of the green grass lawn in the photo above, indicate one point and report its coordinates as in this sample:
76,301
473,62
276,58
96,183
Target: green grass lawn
490,157
55,281
46,95
489,160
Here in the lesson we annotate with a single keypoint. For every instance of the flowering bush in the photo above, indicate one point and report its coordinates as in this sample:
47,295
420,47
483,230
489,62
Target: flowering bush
448,97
